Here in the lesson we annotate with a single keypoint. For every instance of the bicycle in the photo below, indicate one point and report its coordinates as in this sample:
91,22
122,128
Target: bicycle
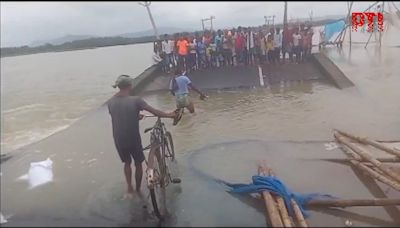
161,148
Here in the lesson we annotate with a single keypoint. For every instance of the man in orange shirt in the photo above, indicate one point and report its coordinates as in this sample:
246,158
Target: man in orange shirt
182,51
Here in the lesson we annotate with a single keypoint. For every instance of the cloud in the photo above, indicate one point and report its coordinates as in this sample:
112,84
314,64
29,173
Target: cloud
25,22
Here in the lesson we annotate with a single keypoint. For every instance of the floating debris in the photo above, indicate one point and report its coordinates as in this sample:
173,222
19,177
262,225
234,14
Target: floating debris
39,173
330,146
91,160
348,223
2,219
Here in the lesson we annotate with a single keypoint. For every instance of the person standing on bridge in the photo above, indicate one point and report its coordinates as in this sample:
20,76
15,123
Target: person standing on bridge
277,45
179,87
296,45
125,115
183,46
167,52
287,43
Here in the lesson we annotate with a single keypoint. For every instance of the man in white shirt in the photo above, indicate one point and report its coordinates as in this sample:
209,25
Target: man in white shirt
277,45
250,46
167,53
296,45
172,59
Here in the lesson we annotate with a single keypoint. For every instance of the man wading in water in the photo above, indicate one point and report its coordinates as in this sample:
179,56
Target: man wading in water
179,87
124,110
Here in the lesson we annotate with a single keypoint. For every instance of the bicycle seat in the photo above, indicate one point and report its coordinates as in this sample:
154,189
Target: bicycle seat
148,129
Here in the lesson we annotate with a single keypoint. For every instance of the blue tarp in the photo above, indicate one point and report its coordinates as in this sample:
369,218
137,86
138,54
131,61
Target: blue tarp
332,28
274,185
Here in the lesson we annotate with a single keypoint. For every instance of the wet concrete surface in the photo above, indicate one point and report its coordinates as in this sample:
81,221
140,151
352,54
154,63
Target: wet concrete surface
335,74
232,77
288,72
88,193
85,194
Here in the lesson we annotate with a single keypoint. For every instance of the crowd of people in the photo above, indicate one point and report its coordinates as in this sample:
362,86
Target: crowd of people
241,46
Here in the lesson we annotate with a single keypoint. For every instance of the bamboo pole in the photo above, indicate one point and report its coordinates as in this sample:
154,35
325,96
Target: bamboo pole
366,156
284,213
351,6
285,217
281,203
272,210
369,171
299,215
353,202
373,143
388,141
383,160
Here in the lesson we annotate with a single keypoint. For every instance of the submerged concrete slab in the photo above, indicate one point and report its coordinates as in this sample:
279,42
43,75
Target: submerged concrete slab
145,78
239,76
291,72
332,71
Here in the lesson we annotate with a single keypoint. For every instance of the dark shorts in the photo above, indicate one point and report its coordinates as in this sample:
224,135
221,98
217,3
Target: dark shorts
126,155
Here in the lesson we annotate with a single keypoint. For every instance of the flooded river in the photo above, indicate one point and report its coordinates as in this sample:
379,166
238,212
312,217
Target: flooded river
230,132
44,93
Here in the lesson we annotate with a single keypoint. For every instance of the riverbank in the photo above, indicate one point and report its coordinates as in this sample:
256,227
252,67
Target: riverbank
70,46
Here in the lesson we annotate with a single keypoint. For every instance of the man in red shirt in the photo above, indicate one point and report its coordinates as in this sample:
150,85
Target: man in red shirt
239,46
287,42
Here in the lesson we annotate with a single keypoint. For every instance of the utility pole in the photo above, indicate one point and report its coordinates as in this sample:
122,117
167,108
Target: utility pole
267,20
273,21
285,14
208,19
147,5
310,14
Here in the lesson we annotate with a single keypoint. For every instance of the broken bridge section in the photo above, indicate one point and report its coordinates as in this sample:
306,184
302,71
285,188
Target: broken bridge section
318,68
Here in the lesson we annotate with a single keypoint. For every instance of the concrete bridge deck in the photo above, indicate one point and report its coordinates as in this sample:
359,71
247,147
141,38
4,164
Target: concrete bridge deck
265,75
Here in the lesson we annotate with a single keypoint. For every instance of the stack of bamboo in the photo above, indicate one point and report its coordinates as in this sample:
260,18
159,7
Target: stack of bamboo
363,159
277,214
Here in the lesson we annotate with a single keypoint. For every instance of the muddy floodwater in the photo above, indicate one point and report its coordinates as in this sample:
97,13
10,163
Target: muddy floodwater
287,125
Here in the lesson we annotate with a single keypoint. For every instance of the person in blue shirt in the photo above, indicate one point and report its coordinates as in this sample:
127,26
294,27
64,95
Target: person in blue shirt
179,87
201,53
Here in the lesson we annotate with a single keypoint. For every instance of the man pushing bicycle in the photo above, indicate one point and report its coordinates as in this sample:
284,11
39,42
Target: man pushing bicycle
125,115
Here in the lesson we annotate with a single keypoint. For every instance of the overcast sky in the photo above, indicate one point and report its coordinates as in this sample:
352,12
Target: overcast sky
25,22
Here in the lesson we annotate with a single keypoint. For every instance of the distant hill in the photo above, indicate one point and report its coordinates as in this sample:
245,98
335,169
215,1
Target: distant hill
61,40
70,38
150,32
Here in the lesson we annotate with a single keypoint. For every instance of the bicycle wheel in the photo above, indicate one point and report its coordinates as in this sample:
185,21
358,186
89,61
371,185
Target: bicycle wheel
170,145
154,203
159,187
